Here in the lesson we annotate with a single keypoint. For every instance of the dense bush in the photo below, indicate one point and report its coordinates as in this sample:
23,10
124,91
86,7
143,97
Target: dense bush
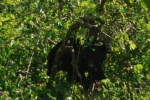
29,29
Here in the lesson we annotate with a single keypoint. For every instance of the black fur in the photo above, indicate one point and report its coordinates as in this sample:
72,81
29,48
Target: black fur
89,59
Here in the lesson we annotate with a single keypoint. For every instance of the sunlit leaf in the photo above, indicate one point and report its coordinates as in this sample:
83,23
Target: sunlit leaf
146,3
138,67
132,45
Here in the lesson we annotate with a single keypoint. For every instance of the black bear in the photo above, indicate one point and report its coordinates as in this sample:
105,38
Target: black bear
92,57
88,59
66,59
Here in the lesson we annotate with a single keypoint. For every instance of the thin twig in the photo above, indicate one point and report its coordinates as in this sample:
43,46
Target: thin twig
27,72
28,68
51,41
107,35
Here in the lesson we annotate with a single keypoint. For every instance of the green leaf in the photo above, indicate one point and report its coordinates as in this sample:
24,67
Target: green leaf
131,1
122,14
138,67
132,45
145,4
125,35
148,26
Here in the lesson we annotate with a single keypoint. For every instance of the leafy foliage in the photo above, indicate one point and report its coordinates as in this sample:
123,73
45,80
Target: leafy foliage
29,28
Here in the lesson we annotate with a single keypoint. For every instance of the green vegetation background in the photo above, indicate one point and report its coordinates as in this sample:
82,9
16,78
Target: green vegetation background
30,28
